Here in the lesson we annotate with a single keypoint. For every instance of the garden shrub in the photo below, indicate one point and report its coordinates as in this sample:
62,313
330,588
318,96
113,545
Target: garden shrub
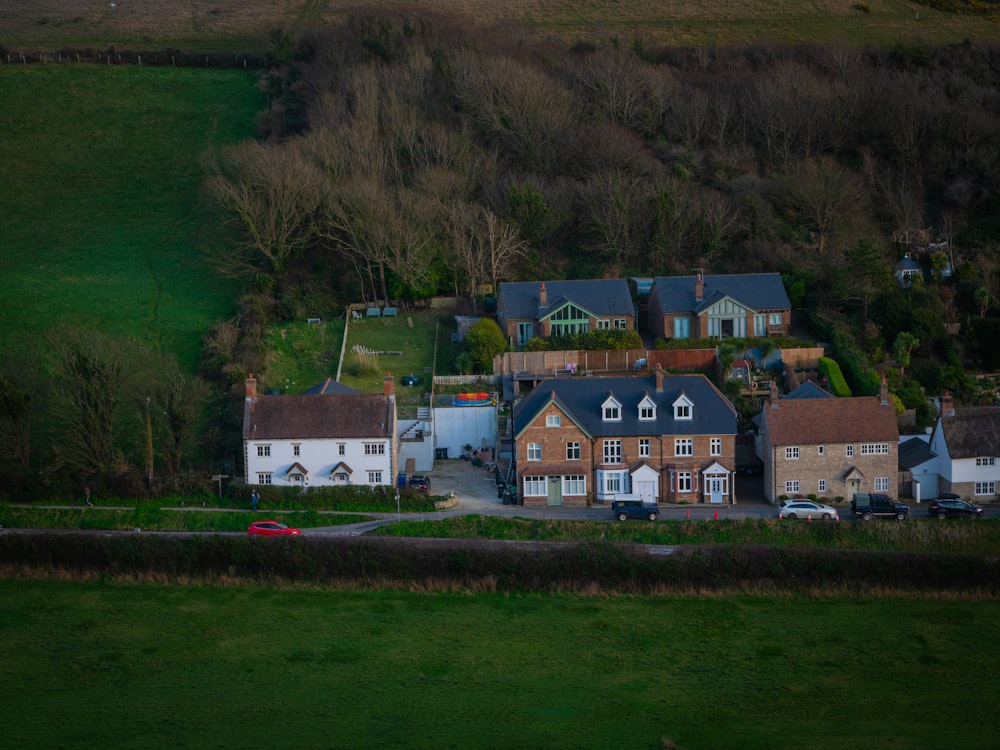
830,370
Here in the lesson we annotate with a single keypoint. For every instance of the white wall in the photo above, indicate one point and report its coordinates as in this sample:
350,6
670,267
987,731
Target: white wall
319,457
457,426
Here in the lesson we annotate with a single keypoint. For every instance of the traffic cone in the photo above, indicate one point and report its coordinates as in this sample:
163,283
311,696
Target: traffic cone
809,519
688,513
716,515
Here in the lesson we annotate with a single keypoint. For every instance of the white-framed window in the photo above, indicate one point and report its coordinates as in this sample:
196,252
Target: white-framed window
374,477
264,478
682,409
792,453
603,325
534,451
986,488
296,449
644,448
534,486
374,449
647,410
612,411
553,420
850,451
683,481
874,449
612,451
573,451
881,484
715,446
574,484
684,447
822,486
263,450
774,319
792,485
613,482
682,328
759,325
621,324
341,449
821,450
986,461
341,477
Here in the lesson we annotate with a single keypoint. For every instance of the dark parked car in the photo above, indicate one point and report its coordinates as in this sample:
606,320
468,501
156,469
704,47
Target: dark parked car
625,509
948,506
420,483
272,528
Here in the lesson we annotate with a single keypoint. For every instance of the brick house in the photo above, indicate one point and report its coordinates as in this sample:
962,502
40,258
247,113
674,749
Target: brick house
530,309
830,447
326,437
665,437
727,306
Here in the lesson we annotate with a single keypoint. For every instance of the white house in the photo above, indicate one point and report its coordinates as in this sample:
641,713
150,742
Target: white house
966,443
320,439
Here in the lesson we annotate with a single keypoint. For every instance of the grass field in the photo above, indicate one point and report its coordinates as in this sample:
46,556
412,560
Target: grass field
133,666
101,213
242,25
414,342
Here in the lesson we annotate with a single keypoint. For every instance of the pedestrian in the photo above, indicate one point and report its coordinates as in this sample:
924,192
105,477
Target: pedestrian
254,499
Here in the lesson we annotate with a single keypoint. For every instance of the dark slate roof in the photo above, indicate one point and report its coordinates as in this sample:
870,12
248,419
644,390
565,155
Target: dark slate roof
972,431
581,399
808,389
907,264
601,297
329,386
757,291
351,415
914,452
814,421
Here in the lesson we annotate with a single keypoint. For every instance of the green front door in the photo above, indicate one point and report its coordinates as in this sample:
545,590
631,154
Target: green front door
555,491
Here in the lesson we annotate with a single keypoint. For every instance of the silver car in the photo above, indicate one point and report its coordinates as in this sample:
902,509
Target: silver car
807,509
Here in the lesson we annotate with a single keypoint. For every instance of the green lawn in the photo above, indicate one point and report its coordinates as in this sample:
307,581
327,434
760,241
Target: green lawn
133,666
101,218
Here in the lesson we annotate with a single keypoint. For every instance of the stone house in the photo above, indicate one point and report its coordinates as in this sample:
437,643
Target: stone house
830,447
669,438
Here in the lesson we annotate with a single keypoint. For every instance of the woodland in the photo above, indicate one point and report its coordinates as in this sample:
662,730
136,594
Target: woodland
407,156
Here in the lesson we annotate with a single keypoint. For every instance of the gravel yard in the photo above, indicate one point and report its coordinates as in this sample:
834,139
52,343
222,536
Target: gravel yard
474,486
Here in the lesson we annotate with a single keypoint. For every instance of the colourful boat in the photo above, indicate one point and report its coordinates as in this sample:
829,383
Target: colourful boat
472,399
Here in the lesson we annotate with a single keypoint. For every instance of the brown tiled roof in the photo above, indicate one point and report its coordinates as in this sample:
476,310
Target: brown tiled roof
831,420
972,431
345,415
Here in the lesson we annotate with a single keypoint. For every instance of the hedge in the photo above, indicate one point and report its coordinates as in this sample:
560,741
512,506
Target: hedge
830,370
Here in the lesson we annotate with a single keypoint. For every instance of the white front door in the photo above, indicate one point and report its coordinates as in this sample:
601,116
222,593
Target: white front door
646,490
716,488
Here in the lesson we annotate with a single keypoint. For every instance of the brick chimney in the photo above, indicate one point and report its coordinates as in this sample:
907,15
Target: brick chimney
659,378
947,405
543,296
772,395
883,392
699,288
251,387
388,385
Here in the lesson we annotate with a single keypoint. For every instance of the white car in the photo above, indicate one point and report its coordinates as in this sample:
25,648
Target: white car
793,509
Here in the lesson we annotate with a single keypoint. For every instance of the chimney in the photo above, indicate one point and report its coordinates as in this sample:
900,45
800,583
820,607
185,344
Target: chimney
947,405
388,385
659,378
883,393
699,289
251,387
772,395
543,296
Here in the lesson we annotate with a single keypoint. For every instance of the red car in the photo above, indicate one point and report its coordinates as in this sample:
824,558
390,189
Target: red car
272,528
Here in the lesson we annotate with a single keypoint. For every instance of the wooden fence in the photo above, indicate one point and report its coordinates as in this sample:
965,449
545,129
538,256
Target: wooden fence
582,362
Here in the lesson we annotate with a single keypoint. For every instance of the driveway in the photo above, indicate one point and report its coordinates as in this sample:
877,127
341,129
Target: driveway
474,487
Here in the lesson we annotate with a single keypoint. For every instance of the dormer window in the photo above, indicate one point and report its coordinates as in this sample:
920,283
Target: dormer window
683,408
611,410
647,410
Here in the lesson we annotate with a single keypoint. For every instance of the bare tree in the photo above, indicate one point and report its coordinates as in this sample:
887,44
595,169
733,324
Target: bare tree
272,195
821,193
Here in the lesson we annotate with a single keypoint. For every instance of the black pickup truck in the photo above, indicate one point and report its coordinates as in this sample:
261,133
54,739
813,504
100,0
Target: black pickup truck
869,506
